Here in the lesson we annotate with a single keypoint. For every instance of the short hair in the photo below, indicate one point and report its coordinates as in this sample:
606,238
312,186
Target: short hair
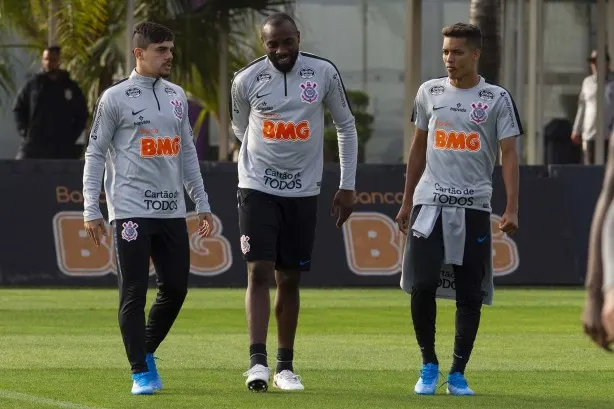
276,19
53,49
149,32
472,34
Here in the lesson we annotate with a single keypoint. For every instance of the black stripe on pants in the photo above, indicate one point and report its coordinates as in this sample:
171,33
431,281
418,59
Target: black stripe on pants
165,241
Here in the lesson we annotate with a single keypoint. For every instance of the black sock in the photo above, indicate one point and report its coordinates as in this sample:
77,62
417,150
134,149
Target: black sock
257,355
428,355
459,363
284,360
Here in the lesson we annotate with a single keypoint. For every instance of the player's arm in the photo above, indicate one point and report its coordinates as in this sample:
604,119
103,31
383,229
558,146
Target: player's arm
337,103
239,107
594,273
509,164
106,118
579,121
21,109
509,128
193,179
416,161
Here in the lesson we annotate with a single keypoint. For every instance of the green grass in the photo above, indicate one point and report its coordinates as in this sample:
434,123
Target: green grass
355,349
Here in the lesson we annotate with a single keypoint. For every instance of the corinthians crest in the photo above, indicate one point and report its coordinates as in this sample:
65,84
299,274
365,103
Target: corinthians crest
478,113
309,93
177,108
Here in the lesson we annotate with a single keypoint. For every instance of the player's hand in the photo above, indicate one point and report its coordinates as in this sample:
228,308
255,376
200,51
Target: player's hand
95,229
576,138
343,205
591,319
205,224
509,222
402,218
607,315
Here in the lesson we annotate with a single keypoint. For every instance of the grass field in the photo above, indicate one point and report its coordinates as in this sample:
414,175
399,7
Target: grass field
355,349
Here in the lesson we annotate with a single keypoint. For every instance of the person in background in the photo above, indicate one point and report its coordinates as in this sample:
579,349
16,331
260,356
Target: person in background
585,125
50,112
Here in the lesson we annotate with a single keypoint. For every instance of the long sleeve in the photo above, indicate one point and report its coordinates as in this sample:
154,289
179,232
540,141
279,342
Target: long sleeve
337,103
101,135
579,121
79,111
240,107
192,178
609,107
21,109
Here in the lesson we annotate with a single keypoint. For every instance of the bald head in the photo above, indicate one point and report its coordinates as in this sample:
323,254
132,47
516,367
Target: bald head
281,38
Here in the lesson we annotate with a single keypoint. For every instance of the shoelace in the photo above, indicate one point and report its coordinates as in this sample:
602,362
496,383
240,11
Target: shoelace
152,362
253,369
142,380
460,382
427,374
289,376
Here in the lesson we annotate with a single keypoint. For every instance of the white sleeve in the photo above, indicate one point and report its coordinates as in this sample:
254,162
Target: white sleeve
240,107
419,114
192,178
347,137
508,121
106,118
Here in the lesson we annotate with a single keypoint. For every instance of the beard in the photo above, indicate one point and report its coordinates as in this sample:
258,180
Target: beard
284,65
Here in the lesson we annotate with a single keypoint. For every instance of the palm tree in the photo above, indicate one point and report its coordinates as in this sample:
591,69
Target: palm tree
486,15
92,36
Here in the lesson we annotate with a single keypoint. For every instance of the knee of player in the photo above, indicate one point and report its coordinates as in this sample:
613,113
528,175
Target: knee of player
176,292
259,272
469,302
289,280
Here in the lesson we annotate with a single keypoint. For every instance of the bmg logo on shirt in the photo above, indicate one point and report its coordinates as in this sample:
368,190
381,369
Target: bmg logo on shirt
286,131
151,147
456,140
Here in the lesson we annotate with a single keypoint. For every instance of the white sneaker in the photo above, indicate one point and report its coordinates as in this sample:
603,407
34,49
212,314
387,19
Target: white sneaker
286,380
258,378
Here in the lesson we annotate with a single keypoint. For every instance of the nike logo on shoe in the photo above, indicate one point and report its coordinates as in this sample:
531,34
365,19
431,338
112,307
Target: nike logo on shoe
138,112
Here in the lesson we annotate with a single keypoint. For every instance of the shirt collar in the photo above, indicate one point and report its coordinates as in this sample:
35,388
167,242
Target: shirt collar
147,82
295,67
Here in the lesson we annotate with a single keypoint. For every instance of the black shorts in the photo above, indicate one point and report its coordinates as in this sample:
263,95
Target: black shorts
428,254
276,228
138,241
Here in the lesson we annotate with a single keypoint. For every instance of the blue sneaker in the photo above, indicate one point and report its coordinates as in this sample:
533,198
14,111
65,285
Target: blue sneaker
427,384
141,384
457,385
156,382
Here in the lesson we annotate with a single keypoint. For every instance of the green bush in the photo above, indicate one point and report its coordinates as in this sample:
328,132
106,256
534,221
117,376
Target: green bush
359,102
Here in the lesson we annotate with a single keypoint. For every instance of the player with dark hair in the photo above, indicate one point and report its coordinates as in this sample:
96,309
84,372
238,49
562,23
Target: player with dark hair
142,138
278,104
461,123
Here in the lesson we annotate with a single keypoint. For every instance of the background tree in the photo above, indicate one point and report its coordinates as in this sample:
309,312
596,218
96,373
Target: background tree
92,36
359,101
486,14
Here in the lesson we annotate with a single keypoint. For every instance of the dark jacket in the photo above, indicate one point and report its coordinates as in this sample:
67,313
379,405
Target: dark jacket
50,115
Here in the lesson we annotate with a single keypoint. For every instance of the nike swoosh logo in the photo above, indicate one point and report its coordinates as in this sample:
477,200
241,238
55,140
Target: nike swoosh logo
482,239
436,108
263,95
302,263
138,112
